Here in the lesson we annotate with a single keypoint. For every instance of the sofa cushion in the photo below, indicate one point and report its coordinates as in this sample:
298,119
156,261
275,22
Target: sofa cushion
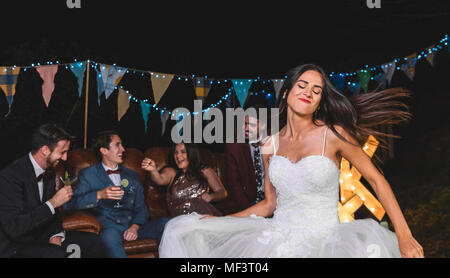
81,221
140,246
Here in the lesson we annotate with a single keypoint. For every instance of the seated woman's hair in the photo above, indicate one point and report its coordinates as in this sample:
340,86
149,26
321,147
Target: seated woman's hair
194,170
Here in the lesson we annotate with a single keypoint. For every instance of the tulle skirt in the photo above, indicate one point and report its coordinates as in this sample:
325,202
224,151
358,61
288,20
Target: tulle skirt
187,236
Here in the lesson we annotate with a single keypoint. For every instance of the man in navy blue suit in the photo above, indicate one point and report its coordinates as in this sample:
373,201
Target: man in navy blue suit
121,210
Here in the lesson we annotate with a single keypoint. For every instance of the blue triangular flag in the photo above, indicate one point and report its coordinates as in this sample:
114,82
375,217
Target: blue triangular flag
354,87
241,87
381,79
339,81
145,107
78,70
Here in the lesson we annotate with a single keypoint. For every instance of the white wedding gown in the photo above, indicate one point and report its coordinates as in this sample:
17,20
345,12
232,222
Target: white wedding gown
305,222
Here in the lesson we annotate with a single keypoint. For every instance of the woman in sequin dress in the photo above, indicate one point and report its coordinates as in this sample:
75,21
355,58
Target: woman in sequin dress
192,187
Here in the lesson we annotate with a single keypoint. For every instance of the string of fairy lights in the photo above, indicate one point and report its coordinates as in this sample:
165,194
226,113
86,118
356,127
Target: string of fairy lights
212,81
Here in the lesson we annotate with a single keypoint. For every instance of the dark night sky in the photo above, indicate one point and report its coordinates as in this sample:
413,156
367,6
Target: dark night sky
224,38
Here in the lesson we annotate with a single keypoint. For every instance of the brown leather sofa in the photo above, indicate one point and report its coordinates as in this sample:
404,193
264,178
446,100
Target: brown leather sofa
155,198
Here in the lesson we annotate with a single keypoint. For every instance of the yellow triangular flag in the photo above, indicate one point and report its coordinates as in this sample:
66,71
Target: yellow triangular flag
160,83
8,80
202,87
123,103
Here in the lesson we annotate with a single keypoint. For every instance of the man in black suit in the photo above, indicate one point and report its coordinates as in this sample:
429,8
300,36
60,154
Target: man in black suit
30,224
244,169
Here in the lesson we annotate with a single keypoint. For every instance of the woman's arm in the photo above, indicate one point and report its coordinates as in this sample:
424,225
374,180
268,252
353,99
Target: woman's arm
163,178
266,207
219,192
356,156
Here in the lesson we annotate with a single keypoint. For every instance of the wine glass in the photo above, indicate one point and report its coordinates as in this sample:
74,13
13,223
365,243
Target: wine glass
119,202
123,185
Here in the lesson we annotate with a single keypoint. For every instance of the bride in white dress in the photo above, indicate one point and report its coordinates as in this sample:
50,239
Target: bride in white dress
301,185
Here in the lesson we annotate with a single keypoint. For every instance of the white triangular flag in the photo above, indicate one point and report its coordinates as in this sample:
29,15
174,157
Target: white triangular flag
389,70
277,84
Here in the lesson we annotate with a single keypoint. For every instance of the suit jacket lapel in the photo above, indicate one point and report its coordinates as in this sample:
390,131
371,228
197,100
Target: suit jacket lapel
103,176
123,174
248,157
251,184
47,191
31,183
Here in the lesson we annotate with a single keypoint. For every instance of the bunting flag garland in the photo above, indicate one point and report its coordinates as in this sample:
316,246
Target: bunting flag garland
78,70
364,77
355,87
123,103
389,70
409,68
160,83
339,81
430,58
277,84
241,87
111,76
8,80
145,107
381,79
164,117
202,87
47,74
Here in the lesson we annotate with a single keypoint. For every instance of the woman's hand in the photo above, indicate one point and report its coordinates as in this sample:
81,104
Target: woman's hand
409,247
148,164
206,197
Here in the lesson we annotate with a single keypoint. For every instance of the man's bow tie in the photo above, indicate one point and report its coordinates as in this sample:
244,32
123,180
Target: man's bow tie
45,175
109,172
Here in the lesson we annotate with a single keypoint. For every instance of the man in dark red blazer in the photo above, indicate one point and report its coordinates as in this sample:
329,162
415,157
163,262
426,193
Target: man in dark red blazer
245,184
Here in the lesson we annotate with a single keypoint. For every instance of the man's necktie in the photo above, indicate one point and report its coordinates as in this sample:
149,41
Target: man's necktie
109,172
46,174
258,172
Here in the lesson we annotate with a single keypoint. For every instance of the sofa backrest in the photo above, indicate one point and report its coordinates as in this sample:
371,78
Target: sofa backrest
155,196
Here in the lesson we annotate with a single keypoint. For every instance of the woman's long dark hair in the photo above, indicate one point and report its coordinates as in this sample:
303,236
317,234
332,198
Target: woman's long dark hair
194,170
360,116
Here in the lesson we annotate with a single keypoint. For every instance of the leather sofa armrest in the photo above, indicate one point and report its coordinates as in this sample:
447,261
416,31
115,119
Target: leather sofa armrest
81,221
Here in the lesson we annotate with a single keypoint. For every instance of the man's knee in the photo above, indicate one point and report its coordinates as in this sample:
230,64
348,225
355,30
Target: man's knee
111,236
